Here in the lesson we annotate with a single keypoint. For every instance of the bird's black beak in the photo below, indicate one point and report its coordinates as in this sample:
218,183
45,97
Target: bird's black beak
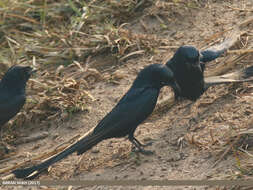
31,70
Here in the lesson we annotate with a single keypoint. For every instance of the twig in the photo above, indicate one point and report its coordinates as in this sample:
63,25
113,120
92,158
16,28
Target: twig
131,54
214,36
251,155
8,177
224,68
144,25
168,47
22,17
240,51
31,138
239,9
226,151
69,141
246,22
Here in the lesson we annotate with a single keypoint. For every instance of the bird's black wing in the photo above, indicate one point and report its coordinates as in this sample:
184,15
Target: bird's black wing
10,106
216,51
132,109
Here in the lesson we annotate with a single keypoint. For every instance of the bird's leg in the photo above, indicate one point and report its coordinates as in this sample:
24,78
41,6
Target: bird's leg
177,93
137,144
140,144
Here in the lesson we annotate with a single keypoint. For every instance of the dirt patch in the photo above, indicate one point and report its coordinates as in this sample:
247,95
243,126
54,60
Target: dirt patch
189,137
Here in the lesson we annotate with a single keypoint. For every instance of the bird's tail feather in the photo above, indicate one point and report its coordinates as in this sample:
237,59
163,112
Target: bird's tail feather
86,142
243,75
216,51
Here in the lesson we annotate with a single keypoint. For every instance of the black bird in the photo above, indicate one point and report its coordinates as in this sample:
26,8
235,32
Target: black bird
188,67
188,72
133,108
12,91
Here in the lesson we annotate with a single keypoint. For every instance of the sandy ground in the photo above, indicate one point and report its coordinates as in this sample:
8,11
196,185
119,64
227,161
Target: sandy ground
217,111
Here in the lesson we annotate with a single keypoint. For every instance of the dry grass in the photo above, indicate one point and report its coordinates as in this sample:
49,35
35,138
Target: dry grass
65,35
54,36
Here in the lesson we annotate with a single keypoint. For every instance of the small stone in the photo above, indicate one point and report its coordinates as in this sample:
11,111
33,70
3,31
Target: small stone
94,151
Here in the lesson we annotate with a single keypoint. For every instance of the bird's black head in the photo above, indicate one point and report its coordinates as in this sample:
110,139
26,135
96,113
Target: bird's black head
17,76
155,75
187,57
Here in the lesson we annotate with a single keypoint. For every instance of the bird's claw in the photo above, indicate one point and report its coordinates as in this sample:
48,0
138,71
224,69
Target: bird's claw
142,151
147,144
146,152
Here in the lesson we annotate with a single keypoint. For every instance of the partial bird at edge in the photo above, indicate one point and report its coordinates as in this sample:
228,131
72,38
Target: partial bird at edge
243,75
